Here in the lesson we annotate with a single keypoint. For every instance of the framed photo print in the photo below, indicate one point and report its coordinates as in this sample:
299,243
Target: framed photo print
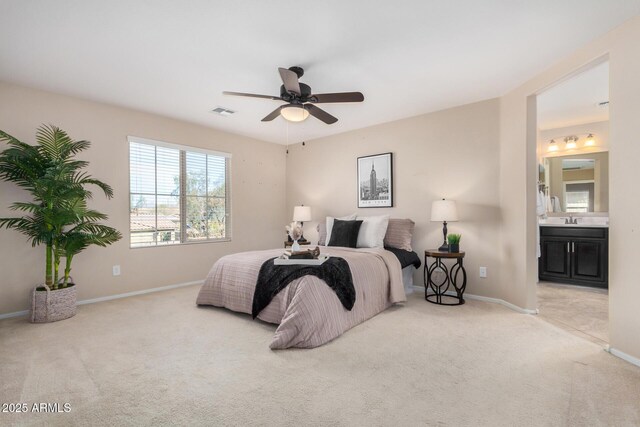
375,181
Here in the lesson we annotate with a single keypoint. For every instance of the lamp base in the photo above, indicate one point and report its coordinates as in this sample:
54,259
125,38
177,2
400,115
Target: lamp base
445,245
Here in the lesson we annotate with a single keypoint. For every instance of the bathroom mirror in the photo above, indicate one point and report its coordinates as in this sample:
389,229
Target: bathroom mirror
577,183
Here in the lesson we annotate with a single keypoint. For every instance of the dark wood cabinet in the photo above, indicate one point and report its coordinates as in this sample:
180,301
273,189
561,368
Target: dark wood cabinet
555,259
574,255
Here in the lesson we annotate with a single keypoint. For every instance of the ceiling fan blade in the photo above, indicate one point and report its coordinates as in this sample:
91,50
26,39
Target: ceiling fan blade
337,97
252,95
320,114
275,113
290,80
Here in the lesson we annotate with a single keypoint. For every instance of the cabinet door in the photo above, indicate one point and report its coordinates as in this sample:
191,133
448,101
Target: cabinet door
589,260
554,258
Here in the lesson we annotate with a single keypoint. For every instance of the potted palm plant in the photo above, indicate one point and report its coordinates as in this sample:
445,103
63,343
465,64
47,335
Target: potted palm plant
57,217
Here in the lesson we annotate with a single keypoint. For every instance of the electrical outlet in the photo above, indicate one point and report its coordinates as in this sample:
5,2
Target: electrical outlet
116,270
483,272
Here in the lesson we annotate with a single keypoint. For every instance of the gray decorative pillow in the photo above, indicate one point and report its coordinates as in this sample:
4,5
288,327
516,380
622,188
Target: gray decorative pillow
399,234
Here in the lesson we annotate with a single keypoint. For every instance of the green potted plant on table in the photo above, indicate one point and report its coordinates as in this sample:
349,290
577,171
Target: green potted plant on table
454,242
57,217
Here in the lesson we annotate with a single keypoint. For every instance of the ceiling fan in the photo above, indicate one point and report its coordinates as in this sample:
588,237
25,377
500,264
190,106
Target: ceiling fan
300,100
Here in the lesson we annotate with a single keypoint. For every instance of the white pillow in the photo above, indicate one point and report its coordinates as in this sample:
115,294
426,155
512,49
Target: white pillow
330,225
372,231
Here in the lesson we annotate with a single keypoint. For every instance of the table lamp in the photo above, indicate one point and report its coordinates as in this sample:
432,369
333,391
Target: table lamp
302,214
444,210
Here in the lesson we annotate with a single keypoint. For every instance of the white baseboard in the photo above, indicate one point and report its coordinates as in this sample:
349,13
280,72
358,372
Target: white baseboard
142,292
624,356
112,297
502,302
489,299
14,314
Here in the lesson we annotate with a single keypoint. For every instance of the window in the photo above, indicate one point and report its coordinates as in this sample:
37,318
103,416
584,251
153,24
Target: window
177,194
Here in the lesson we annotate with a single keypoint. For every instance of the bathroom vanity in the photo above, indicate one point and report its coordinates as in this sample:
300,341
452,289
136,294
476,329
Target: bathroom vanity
574,254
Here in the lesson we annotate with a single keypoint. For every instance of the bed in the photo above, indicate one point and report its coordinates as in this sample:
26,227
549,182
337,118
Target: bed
307,311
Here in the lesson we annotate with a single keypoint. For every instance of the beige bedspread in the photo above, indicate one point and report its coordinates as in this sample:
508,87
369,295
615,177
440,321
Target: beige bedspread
307,311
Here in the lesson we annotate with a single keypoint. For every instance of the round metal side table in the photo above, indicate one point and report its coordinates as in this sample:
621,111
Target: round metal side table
440,284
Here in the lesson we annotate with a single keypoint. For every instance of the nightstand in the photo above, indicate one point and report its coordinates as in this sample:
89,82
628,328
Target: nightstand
448,277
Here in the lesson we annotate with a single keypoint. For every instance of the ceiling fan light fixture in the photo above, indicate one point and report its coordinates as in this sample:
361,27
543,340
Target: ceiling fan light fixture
294,113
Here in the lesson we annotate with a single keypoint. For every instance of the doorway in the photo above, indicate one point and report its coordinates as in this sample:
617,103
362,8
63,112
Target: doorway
572,208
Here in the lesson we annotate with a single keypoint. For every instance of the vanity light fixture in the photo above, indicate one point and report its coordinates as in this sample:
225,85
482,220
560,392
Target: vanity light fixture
571,142
552,145
590,142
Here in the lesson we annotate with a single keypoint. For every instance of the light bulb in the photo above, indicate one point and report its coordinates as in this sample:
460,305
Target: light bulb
553,146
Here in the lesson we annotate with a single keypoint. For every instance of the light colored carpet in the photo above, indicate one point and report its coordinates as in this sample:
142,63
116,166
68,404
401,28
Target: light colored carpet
582,311
159,360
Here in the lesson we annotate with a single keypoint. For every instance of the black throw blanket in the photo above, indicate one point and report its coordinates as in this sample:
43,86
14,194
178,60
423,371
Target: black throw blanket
406,258
274,278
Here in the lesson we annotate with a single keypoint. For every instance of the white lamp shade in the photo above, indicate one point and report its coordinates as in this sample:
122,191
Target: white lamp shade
444,210
302,213
294,113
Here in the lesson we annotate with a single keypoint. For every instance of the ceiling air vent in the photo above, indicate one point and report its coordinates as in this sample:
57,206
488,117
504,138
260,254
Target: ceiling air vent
222,111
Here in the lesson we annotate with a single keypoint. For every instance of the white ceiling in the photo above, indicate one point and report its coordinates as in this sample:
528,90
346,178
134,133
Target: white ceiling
575,101
408,57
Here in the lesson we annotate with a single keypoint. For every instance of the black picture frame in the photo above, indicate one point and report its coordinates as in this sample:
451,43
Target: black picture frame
381,180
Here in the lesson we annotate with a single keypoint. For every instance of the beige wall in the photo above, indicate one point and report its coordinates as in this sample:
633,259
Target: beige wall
451,153
258,196
579,175
518,180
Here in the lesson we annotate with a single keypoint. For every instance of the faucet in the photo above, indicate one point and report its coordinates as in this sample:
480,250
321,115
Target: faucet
571,220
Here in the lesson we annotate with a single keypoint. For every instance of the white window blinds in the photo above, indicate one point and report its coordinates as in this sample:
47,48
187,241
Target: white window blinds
177,194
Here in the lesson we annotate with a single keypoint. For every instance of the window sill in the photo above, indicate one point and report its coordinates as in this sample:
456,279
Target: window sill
204,242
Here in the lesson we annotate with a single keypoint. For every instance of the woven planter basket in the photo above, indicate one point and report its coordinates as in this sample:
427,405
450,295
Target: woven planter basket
53,305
